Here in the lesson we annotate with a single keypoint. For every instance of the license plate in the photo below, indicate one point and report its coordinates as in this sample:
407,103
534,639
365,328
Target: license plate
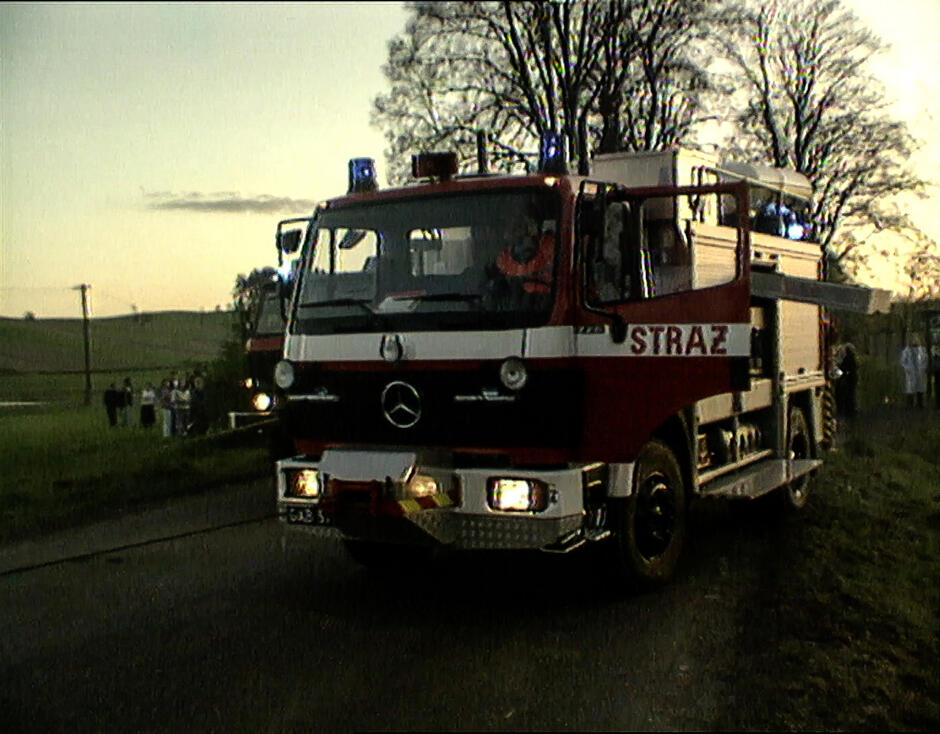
308,516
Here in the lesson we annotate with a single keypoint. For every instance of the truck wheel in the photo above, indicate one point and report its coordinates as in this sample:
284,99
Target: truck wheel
796,494
649,526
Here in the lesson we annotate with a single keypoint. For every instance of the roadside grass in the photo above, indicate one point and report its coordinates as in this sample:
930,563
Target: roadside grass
843,634
60,466
880,383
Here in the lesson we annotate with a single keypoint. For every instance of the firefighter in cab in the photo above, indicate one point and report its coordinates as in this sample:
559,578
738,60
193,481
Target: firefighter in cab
528,256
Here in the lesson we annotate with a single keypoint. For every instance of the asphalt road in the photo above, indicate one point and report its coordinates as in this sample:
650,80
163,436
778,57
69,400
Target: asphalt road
251,627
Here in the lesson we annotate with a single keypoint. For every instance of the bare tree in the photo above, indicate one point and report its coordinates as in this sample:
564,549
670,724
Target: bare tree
608,74
659,63
812,105
922,268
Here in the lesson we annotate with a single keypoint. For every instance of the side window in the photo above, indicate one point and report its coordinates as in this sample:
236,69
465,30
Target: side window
356,250
609,274
670,260
647,250
344,265
345,250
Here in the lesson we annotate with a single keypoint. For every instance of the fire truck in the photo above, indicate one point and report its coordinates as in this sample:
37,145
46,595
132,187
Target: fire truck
262,352
548,360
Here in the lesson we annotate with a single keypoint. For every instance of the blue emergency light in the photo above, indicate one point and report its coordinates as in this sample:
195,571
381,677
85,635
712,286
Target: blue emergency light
552,153
362,175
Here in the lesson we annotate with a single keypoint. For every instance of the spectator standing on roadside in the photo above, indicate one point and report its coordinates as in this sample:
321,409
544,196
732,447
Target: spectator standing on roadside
847,382
127,403
166,407
914,363
181,398
112,397
119,401
148,399
199,420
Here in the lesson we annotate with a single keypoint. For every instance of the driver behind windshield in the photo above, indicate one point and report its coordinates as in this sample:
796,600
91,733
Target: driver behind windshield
528,254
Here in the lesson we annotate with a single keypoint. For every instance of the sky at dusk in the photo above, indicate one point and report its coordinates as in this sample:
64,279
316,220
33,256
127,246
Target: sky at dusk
150,149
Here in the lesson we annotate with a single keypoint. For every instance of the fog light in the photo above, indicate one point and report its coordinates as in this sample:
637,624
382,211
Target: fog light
261,401
304,483
517,495
421,485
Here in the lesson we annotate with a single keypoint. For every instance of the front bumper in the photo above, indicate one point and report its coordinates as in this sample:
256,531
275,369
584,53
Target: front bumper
363,497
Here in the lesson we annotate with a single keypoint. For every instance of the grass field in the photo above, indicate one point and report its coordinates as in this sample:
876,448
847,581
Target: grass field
43,360
60,466
117,344
843,635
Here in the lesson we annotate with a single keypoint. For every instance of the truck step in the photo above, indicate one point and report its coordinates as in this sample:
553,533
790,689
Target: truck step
760,479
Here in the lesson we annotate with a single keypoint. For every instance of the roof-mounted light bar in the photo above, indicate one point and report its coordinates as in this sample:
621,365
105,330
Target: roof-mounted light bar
552,153
362,176
440,166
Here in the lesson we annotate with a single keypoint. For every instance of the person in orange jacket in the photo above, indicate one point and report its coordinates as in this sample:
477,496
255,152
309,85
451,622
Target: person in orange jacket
529,257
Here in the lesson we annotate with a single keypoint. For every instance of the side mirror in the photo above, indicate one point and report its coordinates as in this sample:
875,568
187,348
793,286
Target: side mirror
591,217
288,242
618,329
352,238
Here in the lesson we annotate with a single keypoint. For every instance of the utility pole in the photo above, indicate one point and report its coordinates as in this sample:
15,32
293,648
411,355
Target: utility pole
84,289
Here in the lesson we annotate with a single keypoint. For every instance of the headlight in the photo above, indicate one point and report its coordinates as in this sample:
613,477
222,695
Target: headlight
517,495
304,483
513,374
284,374
261,401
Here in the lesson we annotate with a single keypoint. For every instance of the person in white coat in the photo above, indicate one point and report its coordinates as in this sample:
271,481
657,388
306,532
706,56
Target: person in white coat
914,362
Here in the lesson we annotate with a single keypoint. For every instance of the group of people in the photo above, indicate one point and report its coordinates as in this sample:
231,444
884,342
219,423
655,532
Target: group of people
180,402
119,404
915,363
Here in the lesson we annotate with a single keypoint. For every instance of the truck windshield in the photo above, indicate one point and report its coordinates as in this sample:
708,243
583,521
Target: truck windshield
477,260
268,321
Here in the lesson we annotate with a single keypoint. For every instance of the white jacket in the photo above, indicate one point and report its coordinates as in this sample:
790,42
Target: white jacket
914,362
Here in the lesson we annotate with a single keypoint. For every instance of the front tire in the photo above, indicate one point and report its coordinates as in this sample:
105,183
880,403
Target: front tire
649,526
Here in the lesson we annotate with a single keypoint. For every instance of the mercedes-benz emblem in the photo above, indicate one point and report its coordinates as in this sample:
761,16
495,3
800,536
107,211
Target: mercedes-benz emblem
401,404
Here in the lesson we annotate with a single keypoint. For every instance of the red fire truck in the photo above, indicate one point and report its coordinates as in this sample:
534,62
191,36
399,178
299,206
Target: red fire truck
262,352
546,360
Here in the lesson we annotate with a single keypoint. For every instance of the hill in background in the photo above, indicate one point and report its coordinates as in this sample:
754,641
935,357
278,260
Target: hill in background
134,342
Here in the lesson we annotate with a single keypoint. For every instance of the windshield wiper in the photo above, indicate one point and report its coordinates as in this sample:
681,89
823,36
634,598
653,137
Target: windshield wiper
446,297
341,302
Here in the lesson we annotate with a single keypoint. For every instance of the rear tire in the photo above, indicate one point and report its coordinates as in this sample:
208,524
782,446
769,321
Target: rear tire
649,526
795,495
